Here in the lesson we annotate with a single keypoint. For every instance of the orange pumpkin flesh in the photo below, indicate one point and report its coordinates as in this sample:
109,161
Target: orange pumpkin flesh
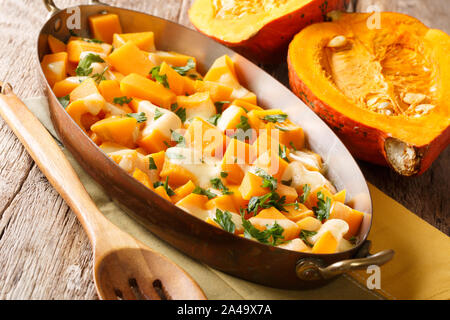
372,88
259,30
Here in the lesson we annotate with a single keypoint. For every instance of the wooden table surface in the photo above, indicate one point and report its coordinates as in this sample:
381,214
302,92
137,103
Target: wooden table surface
44,253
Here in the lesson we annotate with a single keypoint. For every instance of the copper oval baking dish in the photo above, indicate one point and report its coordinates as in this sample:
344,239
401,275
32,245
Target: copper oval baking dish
219,249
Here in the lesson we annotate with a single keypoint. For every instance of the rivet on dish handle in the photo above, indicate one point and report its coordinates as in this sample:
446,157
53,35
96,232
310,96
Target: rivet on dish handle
51,6
5,88
315,269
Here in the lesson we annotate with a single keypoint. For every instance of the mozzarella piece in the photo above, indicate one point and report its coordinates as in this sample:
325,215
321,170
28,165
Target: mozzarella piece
166,123
310,160
295,245
202,168
301,176
56,67
337,227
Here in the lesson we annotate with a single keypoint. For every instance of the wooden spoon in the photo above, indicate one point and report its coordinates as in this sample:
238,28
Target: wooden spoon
124,268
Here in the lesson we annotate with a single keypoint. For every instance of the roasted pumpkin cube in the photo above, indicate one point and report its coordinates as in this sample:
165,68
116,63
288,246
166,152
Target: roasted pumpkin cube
203,136
183,191
217,91
110,89
177,83
56,45
172,58
76,48
353,217
231,118
194,204
224,203
135,85
54,67
121,130
129,59
297,213
177,174
271,163
197,105
64,87
327,243
104,26
143,40
238,156
309,224
251,186
143,178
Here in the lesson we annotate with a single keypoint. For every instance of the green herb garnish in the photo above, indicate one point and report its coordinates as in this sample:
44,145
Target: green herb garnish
322,210
218,184
158,77
275,118
140,117
183,70
219,105
224,174
223,218
122,100
166,186
84,66
269,200
152,164
272,235
158,114
305,234
305,194
268,180
214,119
204,192
282,152
64,101
100,76
178,138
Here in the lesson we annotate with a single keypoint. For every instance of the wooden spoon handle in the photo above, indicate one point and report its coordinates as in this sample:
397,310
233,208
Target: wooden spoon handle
52,162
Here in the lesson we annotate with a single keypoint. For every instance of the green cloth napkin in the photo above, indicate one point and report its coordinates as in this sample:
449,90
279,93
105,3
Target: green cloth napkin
216,285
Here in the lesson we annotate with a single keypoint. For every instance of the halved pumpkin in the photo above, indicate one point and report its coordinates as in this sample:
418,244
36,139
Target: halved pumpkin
385,91
260,30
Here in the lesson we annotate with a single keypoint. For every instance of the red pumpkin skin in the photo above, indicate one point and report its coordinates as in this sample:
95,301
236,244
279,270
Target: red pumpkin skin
270,44
364,142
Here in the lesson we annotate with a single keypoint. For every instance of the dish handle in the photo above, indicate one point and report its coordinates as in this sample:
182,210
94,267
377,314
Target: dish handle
52,8
311,269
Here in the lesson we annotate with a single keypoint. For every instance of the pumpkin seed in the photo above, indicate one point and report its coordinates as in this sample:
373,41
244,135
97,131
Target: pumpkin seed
414,98
337,42
423,109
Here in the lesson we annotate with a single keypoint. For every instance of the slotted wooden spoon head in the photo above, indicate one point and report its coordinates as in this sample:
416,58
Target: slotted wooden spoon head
142,274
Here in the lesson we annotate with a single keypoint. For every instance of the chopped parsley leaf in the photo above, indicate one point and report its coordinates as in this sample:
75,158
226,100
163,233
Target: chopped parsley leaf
204,192
184,70
140,117
223,218
305,234
122,100
218,184
64,101
84,66
305,194
275,117
152,164
158,77
322,210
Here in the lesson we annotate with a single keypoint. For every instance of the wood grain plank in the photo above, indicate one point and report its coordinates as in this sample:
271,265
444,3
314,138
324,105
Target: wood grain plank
435,14
44,253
